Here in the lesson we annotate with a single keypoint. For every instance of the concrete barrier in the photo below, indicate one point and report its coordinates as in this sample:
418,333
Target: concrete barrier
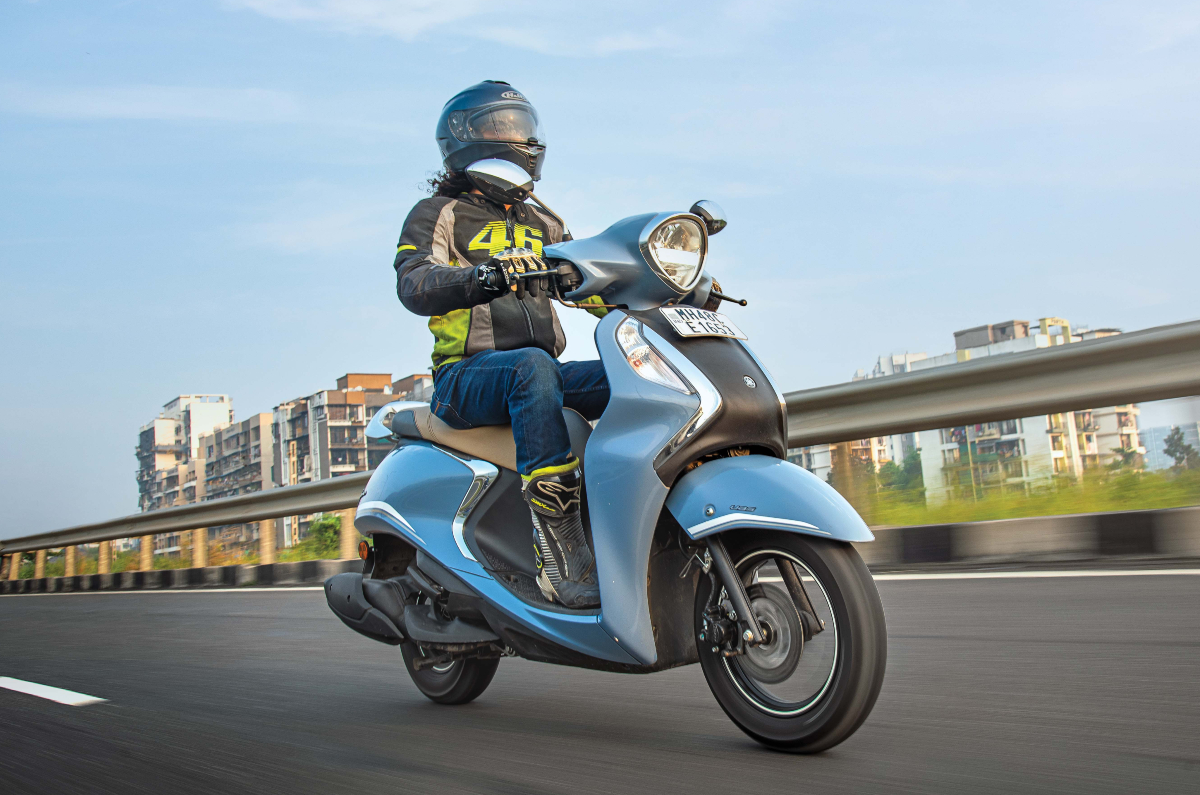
1132,536
305,572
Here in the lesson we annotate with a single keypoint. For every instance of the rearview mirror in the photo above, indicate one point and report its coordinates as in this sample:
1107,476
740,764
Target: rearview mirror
500,180
712,215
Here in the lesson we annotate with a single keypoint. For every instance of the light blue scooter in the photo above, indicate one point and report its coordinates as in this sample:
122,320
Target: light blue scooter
710,547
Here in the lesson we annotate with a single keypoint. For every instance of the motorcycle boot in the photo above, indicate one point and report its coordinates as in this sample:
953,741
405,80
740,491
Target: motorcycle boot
566,568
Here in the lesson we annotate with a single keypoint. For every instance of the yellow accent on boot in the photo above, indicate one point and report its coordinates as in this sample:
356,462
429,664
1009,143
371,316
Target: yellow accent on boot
557,469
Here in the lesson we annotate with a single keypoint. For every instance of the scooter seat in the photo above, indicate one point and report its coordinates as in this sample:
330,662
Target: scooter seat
492,443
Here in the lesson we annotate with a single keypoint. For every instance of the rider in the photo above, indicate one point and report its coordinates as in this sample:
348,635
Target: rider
494,353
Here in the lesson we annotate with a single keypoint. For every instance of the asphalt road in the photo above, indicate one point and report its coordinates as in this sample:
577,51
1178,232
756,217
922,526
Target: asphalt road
1060,685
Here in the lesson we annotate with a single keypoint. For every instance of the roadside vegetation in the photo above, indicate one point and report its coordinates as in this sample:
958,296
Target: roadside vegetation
895,495
321,543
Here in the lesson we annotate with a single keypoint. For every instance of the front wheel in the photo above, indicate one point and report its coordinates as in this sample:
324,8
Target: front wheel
451,682
814,680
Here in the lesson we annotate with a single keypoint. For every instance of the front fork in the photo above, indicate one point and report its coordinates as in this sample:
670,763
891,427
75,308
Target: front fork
730,625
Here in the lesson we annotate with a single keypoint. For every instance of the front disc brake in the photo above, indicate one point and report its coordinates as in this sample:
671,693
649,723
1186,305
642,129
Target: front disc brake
774,660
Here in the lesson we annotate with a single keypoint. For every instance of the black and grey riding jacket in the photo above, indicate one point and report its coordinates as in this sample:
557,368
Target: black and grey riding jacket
442,241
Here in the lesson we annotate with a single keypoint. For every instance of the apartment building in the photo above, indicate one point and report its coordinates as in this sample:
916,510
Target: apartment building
238,459
173,438
1012,455
323,435
1015,455
170,461
417,387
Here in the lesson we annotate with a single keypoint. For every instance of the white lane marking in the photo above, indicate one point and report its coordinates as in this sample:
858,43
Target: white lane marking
247,589
69,697
1003,575
1008,575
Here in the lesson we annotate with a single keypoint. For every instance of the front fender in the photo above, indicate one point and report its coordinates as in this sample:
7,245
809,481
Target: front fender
765,492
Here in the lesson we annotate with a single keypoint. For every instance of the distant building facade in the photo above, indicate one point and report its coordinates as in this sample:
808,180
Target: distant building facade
170,459
1011,455
323,435
238,459
1015,455
417,387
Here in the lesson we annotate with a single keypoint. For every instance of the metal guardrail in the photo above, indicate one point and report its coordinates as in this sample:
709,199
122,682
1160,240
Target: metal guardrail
1154,364
323,495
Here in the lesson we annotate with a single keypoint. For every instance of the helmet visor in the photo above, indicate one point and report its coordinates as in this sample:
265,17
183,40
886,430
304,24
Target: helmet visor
513,124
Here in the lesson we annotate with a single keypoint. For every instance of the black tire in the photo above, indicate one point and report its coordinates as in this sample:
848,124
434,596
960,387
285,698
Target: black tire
456,683
858,665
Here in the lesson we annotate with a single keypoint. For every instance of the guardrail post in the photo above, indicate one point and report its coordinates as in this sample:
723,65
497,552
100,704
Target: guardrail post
348,535
266,541
39,564
104,564
200,548
844,479
69,564
146,553
14,566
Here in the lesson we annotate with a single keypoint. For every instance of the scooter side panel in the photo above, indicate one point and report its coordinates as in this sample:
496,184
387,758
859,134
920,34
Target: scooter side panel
415,494
625,496
760,491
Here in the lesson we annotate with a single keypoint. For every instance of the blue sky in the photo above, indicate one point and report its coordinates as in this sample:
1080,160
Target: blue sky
204,196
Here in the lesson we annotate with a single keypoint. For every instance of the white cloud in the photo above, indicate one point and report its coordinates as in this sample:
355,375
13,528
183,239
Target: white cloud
549,28
404,19
164,103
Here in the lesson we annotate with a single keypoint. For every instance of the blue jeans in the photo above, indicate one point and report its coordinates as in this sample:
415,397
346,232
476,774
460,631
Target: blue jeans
527,387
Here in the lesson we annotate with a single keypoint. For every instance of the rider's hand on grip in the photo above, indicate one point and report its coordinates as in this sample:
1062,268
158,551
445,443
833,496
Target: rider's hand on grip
517,270
524,270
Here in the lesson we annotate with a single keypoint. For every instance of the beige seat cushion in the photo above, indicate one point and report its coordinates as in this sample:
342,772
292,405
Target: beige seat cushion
490,442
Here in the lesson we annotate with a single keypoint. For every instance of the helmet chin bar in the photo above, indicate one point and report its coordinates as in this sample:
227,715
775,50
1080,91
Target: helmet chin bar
500,180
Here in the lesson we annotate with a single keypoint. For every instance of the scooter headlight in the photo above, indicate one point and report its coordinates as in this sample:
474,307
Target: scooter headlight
644,360
675,247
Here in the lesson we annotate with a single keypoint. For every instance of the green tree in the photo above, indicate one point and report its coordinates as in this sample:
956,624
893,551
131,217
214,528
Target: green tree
325,532
904,479
321,540
1184,454
1127,458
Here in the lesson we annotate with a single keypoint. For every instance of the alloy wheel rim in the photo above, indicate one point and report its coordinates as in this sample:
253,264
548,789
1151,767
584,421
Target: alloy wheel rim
753,691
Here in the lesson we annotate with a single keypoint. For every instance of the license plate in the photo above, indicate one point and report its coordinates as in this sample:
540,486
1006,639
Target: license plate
691,322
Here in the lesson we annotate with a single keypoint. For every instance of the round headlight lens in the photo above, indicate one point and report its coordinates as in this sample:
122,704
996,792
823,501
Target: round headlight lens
677,247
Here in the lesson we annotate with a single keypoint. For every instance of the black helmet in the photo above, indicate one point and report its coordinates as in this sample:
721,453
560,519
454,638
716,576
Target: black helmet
491,119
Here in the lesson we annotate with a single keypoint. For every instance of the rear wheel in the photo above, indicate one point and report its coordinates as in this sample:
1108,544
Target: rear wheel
455,682
795,693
